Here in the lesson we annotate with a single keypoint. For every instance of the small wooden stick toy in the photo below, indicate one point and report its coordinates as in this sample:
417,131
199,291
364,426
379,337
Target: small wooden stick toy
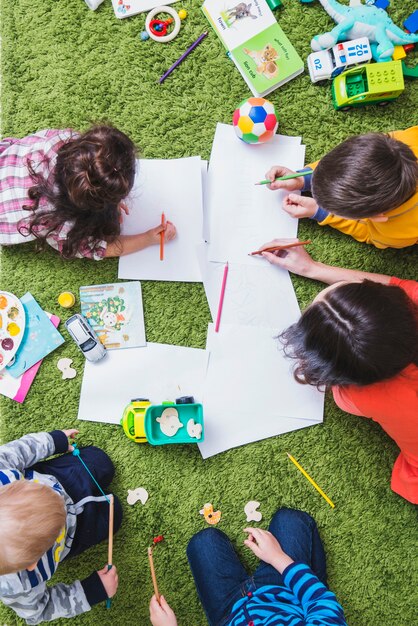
151,565
110,544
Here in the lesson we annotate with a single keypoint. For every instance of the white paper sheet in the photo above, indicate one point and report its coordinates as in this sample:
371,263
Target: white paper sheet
159,372
254,296
249,391
172,186
244,216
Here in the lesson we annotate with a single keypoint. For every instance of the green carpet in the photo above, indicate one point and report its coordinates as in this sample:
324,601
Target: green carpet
64,65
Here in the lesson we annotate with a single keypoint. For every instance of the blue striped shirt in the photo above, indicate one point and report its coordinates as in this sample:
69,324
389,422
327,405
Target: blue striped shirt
302,601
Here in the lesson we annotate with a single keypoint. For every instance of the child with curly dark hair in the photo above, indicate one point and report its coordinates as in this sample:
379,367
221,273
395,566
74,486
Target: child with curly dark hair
68,189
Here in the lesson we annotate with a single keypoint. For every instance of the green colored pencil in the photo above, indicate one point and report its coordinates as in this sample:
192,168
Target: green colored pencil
287,177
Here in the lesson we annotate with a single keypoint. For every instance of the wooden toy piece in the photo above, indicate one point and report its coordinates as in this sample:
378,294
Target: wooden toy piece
251,513
398,53
194,430
151,564
137,494
169,422
212,517
64,367
110,544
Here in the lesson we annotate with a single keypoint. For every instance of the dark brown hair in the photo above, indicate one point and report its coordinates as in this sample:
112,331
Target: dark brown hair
358,334
365,175
94,172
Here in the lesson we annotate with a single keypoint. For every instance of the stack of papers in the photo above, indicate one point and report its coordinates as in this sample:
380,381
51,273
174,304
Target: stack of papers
243,379
249,390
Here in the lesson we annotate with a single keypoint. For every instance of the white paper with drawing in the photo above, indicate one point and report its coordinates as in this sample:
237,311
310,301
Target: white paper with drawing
159,372
249,392
257,296
244,216
172,186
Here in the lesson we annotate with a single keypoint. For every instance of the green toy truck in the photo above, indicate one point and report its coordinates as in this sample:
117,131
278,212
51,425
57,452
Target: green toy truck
160,424
375,83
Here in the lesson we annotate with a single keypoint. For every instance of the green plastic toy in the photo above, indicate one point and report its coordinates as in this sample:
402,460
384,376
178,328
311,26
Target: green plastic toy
376,83
160,424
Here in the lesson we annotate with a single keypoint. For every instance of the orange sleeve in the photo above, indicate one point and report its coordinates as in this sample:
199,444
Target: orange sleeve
404,480
410,287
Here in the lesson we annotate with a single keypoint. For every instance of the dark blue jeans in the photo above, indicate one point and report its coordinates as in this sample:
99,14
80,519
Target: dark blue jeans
221,579
93,522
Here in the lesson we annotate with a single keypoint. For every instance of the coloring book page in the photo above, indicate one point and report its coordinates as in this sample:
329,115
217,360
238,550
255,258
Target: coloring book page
115,313
172,186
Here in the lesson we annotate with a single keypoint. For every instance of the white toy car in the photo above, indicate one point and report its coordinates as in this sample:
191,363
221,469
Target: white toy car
329,63
85,338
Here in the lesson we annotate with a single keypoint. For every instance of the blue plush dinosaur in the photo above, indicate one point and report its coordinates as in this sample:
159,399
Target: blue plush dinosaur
360,20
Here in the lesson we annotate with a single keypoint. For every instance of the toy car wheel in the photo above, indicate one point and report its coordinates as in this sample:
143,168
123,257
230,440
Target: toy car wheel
345,109
383,103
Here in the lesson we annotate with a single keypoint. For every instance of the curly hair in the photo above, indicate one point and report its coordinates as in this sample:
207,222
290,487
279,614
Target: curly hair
94,172
357,334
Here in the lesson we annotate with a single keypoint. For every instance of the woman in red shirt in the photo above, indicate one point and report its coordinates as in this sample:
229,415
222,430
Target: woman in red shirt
360,336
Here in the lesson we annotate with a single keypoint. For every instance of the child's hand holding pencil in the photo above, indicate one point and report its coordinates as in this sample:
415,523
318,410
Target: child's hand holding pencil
290,255
291,184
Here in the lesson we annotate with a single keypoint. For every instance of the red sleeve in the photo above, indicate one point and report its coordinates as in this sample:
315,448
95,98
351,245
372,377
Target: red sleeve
410,287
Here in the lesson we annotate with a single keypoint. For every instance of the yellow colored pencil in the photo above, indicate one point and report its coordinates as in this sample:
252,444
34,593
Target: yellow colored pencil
311,480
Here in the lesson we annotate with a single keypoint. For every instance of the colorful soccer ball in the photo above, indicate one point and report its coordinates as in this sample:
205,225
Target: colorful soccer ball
255,120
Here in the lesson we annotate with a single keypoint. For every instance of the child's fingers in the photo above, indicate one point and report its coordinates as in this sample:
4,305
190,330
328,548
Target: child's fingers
272,257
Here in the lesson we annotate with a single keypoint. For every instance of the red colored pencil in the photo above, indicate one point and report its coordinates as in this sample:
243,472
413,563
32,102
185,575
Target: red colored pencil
221,299
162,238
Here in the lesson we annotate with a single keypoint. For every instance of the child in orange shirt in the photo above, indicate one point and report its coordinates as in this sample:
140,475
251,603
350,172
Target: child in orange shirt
360,336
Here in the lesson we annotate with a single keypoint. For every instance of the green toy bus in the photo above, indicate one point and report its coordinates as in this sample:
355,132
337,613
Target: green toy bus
375,83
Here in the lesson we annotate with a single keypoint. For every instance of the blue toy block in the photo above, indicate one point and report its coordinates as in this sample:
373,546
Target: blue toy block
411,22
381,4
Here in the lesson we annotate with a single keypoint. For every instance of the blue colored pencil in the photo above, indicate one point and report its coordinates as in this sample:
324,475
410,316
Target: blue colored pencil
183,56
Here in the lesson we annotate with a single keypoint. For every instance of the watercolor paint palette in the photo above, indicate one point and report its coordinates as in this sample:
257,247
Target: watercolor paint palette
12,326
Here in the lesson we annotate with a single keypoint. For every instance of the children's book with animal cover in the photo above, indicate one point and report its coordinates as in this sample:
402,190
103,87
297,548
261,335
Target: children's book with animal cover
115,313
255,42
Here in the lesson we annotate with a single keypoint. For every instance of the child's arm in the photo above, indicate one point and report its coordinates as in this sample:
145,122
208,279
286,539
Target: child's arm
126,244
319,605
298,261
44,604
24,452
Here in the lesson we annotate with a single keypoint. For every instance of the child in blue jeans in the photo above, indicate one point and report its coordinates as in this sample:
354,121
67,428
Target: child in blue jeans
288,587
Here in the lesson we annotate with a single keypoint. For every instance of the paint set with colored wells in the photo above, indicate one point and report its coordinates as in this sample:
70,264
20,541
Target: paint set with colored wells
12,326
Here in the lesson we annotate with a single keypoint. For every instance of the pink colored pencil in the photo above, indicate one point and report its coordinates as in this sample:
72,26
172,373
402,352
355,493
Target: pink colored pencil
221,299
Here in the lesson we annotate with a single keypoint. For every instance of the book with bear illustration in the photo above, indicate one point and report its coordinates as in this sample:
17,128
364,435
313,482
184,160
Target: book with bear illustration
255,42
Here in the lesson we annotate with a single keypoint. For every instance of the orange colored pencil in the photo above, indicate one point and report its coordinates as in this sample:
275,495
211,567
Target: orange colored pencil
162,238
283,247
